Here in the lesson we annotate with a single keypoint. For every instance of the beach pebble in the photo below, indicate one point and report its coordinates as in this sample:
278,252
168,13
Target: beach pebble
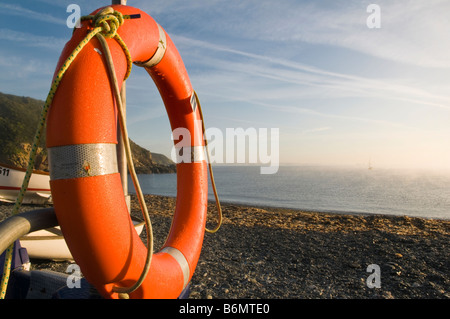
282,253
392,265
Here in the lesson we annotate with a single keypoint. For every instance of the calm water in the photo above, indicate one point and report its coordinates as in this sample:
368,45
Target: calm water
393,192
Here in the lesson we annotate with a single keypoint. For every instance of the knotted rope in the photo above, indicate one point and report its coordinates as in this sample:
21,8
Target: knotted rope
106,22
105,25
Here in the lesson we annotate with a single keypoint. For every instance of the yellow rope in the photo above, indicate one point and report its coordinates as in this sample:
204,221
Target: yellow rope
105,22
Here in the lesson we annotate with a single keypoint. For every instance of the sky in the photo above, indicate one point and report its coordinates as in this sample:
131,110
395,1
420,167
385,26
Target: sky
332,82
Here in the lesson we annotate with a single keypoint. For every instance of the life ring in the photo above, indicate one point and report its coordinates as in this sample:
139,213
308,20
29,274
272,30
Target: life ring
86,186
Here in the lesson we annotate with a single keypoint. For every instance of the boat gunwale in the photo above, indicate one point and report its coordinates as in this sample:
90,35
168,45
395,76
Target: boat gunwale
35,171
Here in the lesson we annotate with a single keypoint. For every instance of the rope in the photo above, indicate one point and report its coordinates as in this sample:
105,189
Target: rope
213,183
125,291
107,23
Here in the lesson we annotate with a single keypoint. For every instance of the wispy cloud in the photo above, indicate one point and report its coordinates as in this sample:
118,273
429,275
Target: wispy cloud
32,40
412,32
329,84
11,9
19,67
294,109
25,76
287,86
317,129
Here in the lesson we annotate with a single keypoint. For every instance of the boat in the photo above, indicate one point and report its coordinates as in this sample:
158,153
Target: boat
50,244
119,254
26,283
11,179
45,243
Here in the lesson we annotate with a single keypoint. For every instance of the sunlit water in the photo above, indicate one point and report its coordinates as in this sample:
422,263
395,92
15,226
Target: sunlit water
377,191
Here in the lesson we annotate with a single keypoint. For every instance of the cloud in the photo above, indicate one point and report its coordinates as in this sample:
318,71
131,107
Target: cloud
317,129
297,80
313,92
25,76
16,10
412,32
32,40
15,66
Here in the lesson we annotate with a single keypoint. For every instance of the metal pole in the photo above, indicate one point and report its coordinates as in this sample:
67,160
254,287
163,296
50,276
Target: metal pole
121,157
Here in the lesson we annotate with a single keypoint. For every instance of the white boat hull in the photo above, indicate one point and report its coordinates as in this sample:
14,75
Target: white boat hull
50,243
11,180
46,243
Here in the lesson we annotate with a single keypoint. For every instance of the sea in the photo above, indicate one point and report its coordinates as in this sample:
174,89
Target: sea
401,192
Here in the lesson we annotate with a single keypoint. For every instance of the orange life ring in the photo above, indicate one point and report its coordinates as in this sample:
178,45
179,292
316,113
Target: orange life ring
86,186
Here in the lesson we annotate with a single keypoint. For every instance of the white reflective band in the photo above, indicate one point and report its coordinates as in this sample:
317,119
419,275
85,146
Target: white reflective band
82,160
159,53
193,102
179,257
190,154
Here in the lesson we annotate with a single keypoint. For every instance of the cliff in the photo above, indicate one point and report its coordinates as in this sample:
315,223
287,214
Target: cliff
19,117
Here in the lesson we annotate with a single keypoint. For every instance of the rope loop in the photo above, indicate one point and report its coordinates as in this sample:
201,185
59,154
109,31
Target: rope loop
109,21
123,292
213,183
106,22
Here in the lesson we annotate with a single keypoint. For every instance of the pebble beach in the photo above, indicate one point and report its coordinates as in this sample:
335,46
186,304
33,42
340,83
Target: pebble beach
274,253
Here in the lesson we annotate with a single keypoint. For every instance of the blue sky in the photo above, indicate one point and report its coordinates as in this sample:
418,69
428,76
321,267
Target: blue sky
340,93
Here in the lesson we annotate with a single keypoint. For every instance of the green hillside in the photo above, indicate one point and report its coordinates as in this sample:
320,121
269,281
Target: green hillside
19,117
